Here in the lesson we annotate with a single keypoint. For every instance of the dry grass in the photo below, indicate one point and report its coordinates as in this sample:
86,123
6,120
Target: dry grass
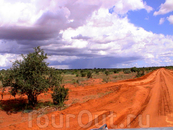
112,77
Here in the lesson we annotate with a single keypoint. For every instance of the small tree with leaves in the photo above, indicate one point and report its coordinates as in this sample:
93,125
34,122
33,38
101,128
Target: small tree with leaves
31,76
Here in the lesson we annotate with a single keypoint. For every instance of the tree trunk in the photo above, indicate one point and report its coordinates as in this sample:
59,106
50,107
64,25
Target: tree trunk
32,99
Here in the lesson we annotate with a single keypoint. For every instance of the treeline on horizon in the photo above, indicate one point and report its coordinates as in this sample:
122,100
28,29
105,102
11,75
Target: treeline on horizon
114,70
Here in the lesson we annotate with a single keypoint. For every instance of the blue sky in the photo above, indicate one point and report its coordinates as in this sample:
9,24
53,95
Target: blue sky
88,34
149,22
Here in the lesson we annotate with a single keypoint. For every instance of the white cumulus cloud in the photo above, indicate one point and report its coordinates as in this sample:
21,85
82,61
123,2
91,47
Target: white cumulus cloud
170,19
165,8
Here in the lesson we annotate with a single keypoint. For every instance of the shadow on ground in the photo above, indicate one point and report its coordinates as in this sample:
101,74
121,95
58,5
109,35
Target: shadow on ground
13,105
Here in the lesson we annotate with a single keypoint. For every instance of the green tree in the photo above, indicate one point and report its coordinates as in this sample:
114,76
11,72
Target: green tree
31,76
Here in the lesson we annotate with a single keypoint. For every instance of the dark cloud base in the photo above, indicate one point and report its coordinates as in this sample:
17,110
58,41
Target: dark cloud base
103,62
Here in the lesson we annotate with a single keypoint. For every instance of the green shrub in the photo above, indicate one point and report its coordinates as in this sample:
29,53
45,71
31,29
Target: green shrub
59,95
134,69
115,71
89,74
75,81
83,74
97,71
127,71
140,73
107,72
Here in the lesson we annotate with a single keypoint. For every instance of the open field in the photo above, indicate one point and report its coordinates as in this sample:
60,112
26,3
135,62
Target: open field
99,77
141,102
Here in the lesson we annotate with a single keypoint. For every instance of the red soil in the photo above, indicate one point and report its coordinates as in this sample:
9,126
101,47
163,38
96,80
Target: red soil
141,102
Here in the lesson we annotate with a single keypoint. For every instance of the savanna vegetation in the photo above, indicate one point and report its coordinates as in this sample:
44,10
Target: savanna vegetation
32,76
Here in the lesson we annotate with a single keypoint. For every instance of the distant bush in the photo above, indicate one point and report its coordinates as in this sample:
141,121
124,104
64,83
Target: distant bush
83,74
115,71
127,71
140,73
107,72
134,69
106,79
89,74
75,81
97,71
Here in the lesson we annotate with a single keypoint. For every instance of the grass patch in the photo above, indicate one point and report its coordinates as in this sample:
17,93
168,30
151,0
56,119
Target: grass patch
111,77
89,97
75,101
103,94
106,79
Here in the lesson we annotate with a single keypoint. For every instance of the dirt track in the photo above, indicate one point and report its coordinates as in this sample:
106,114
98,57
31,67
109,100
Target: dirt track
142,102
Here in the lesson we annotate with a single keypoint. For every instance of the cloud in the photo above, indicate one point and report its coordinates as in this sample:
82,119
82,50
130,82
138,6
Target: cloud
170,19
42,20
161,21
165,8
7,59
79,34
123,6
120,38
27,33
80,37
60,66
99,62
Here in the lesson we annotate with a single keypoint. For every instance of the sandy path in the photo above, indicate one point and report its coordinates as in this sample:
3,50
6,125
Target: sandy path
142,102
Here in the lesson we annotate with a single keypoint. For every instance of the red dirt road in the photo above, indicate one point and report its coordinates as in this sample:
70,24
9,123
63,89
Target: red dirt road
142,102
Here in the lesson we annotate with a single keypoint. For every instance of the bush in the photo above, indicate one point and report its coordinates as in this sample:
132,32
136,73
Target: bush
83,74
140,73
59,95
89,74
106,79
134,69
107,72
75,81
97,71
127,71
115,71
